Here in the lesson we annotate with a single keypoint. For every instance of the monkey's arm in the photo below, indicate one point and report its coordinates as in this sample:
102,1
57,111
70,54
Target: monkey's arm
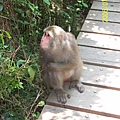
61,66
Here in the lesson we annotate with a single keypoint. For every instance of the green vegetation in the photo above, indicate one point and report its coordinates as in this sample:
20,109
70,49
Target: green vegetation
22,91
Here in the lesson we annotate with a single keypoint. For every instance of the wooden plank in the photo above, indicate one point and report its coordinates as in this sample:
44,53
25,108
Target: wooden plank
93,100
101,27
97,15
57,113
109,0
99,40
100,56
101,76
111,6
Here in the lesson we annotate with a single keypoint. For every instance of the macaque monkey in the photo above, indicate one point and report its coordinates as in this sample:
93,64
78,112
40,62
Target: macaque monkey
60,61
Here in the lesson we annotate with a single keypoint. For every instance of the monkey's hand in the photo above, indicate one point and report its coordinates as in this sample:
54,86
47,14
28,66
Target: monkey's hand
61,95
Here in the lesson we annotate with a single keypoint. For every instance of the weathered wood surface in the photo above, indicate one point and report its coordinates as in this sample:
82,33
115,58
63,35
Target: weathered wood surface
103,77
118,1
57,113
112,6
101,73
99,41
100,56
97,15
101,27
94,100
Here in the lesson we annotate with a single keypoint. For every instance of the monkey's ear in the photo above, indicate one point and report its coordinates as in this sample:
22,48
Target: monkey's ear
63,37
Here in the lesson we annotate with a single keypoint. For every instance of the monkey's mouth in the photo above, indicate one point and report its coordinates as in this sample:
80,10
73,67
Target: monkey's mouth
44,46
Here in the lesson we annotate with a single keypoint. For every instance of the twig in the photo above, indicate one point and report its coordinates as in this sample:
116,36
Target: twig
24,54
36,106
33,104
4,17
9,101
14,53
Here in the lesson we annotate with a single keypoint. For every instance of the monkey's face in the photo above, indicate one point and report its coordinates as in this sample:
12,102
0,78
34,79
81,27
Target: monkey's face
46,40
52,38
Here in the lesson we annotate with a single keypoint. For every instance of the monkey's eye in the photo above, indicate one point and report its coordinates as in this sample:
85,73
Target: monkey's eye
47,34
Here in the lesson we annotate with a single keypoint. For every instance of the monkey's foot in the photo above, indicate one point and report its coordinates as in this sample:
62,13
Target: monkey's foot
62,96
78,86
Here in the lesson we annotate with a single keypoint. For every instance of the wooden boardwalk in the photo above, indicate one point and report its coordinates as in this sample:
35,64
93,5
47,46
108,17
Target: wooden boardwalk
99,45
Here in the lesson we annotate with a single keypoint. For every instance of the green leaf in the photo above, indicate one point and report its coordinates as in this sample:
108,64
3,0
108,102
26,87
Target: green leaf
1,1
66,14
79,1
36,7
1,7
41,103
8,34
21,85
47,2
19,11
37,32
31,72
0,55
5,46
70,8
36,115
21,39
20,62
2,39
85,5
31,7
1,96
26,23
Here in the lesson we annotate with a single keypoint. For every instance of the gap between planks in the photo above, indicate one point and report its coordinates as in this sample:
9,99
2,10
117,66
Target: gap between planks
101,21
101,86
99,32
100,64
105,48
56,113
83,110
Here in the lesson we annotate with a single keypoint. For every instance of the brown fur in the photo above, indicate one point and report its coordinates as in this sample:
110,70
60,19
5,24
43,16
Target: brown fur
61,61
